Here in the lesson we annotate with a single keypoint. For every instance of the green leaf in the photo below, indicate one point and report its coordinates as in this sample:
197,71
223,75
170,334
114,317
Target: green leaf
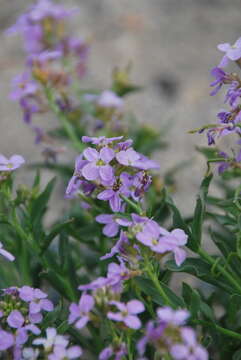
202,270
237,355
199,213
39,205
149,289
56,230
192,299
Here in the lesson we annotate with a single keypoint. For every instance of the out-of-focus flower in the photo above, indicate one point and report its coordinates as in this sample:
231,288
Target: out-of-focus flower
79,314
11,164
6,254
127,313
232,52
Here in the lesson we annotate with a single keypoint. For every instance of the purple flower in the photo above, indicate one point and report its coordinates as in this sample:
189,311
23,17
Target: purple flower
36,299
6,340
118,351
118,248
120,187
6,254
113,223
161,241
98,167
130,157
232,52
11,164
23,86
79,314
224,116
47,9
75,182
15,319
172,317
108,99
190,349
101,140
52,339
220,77
63,353
152,334
233,93
96,284
127,313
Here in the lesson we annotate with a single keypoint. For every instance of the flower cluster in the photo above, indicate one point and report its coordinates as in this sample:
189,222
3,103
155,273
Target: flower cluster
54,60
111,170
229,121
55,346
21,312
169,335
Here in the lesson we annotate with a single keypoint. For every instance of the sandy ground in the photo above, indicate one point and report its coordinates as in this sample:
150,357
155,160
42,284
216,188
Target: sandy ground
172,44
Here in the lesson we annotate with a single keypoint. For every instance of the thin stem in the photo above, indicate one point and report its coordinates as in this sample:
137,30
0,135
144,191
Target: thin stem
77,145
152,275
229,333
225,273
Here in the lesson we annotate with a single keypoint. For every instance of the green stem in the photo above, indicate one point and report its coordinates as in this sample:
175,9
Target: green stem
222,330
77,145
224,272
152,275
136,207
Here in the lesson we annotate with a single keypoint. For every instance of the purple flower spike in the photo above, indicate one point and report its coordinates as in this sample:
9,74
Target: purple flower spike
130,157
127,313
6,254
79,314
11,164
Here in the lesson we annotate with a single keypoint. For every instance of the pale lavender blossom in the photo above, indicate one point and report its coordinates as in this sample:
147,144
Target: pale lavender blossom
15,319
190,349
127,313
6,254
220,77
121,186
13,163
23,86
52,339
161,241
36,298
232,52
132,158
117,351
6,340
79,314
75,182
98,167
109,99
172,317
118,248
29,353
112,223
60,352
101,140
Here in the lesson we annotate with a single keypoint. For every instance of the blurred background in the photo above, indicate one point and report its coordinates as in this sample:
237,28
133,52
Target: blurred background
172,46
